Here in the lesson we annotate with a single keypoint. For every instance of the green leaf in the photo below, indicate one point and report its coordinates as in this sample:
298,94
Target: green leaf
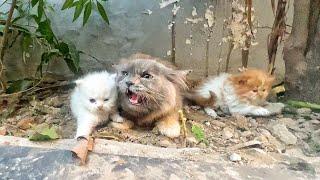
75,55
63,48
44,135
26,42
19,85
87,13
40,9
78,10
198,132
34,2
301,104
44,28
67,4
102,12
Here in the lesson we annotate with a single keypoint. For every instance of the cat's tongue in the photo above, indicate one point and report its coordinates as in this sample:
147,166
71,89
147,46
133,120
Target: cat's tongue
134,99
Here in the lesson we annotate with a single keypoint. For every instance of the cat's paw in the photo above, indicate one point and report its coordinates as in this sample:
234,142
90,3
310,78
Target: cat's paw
171,130
261,112
126,124
210,112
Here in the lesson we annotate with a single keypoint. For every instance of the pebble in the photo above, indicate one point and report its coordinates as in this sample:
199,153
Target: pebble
284,134
227,133
304,111
166,143
234,157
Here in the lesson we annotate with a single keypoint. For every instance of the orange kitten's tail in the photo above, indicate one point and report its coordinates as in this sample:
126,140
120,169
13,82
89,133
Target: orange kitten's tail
200,100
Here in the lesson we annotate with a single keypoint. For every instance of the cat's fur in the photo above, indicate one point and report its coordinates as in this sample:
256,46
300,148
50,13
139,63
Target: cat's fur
93,101
150,93
243,93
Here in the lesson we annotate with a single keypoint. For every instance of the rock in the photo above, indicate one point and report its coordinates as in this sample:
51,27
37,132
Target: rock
3,130
304,111
289,123
281,132
207,123
55,102
244,145
218,123
246,134
227,133
234,157
242,122
264,132
166,143
192,140
25,123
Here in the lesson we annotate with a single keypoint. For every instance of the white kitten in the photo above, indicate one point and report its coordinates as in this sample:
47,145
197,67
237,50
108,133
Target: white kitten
93,101
243,93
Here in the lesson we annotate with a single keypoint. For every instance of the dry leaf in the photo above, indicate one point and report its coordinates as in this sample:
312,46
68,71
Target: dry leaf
3,131
81,150
25,123
90,143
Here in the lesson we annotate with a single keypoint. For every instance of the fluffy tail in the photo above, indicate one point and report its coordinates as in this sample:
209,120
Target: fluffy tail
200,100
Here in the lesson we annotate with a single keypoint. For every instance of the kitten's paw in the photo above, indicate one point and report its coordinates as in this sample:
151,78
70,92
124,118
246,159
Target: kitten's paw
117,118
261,112
171,130
126,124
210,112
275,108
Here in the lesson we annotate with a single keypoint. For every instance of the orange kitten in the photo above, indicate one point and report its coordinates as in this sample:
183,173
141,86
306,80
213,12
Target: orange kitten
243,93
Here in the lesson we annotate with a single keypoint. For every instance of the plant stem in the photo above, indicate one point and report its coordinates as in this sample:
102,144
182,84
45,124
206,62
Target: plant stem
228,56
3,45
173,38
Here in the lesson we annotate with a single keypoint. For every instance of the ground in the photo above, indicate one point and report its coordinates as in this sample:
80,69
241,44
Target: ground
292,138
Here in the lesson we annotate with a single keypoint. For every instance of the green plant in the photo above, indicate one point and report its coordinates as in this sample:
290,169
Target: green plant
35,12
199,134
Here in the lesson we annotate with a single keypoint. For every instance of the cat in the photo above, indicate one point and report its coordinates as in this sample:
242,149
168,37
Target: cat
243,93
93,101
150,93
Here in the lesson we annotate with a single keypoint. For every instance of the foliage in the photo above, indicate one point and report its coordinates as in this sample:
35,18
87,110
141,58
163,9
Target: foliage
35,12
301,104
199,134
44,134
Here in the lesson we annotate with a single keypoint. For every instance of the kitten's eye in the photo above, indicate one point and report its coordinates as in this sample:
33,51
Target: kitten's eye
147,75
106,99
92,100
255,90
263,90
125,73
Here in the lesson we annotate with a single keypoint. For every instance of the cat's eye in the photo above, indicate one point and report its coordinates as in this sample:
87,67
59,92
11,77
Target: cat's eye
92,100
125,73
255,90
106,99
263,90
146,75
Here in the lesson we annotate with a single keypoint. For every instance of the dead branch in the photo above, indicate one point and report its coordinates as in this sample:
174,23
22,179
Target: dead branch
173,38
278,31
228,56
3,45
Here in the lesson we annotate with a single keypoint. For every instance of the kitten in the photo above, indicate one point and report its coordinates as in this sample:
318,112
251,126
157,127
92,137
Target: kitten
243,93
93,101
150,93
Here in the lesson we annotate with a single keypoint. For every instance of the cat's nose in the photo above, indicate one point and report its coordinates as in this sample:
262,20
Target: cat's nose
100,107
129,83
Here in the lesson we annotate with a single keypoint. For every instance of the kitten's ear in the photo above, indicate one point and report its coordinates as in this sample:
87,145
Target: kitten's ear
78,81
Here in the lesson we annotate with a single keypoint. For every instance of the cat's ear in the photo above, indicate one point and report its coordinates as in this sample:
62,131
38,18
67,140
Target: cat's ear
178,77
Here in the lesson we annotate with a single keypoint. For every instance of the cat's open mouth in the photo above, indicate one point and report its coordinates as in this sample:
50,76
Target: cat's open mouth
134,98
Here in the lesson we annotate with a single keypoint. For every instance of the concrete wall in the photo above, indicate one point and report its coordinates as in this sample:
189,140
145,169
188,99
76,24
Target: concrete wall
131,31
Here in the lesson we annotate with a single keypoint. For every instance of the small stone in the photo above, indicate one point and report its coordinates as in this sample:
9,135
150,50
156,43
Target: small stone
202,145
192,140
304,111
55,102
227,133
3,130
207,123
166,143
246,133
284,134
218,123
234,157
289,123
25,123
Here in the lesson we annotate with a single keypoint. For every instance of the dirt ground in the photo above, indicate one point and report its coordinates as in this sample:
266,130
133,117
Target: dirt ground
242,139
